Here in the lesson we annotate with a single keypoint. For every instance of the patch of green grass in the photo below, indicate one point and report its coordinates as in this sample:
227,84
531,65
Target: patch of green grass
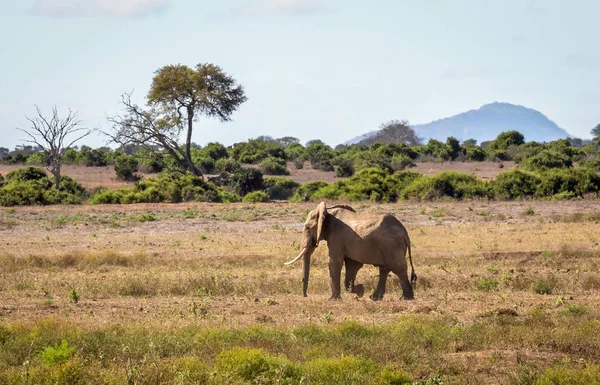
529,211
438,213
146,217
544,286
574,310
54,355
485,284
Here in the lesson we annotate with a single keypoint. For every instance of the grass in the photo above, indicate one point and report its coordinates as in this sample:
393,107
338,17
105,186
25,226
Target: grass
163,299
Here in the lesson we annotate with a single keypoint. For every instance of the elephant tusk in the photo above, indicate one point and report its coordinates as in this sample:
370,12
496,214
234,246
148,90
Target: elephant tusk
297,258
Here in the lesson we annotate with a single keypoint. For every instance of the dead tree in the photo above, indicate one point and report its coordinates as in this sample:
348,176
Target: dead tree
51,135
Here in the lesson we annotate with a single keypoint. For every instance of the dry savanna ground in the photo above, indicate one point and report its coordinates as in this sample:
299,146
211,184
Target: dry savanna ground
506,291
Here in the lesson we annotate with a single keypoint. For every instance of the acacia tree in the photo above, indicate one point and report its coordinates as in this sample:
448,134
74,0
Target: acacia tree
184,94
51,135
394,131
596,131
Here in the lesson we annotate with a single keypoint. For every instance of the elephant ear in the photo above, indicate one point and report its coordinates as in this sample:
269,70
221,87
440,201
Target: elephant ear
322,209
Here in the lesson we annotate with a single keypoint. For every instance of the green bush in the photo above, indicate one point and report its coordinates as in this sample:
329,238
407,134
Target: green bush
546,159
38,158
475,154
255,150
150,161
256,197
25,174
168,187
31,186
305,192
449,184
577,182
345,169
2,180
93,158
58,354
71,156
227,165
274,166
215,151
126,167
515,184
280,188
255,366
247,180
206,164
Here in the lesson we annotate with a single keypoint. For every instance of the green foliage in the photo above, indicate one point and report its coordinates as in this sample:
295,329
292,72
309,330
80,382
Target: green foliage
58,354
93,158
205,163
544,286
255,150
247,180
280,188
256,366
256,196
576,181
574,310
2,180
168,187
546,159
438,150
126,167
38,158
74,296
31,186
449,184
26,174
345,169
215,151
150,161
306,191
227,165
515,184
295,151
475,154
485,284
454,146
318,152
274,166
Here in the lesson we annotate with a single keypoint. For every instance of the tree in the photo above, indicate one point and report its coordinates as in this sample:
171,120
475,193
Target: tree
596,131
395,131
185,94
51,135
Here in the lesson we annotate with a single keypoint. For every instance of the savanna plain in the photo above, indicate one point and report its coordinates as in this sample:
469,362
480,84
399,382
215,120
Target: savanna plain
507,293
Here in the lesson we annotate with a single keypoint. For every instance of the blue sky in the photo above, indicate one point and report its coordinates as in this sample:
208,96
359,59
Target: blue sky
327,69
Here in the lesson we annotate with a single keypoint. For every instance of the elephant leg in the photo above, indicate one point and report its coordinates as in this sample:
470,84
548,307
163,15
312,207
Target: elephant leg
407,290
352,268
380,290
335,272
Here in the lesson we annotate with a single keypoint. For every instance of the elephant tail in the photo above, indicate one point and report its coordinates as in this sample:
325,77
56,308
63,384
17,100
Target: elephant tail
413,276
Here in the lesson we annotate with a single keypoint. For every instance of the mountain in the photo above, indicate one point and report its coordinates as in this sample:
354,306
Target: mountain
486,123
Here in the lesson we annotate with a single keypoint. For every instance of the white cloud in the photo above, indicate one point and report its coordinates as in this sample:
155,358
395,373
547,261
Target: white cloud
118,8
286,7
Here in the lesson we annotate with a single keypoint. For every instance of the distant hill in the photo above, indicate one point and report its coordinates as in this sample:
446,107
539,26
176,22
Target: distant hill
486,123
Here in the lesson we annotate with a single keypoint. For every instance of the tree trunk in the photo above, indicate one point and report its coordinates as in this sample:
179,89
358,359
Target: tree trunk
188,142
56,173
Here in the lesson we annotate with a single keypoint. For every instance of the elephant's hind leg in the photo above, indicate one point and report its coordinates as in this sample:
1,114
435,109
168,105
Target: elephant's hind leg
352,268
380,290
407,290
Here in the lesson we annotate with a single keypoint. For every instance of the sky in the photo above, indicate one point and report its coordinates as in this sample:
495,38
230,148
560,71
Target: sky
313,69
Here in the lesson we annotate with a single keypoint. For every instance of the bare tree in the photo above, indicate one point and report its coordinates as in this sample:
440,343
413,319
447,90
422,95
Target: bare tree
149,128
51,135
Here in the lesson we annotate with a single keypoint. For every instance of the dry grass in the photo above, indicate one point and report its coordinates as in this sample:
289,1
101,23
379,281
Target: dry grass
524,288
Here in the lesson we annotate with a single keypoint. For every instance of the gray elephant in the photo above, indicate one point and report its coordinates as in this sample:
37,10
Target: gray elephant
354,240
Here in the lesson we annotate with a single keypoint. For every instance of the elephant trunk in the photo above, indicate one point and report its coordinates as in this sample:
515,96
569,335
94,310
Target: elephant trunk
306,272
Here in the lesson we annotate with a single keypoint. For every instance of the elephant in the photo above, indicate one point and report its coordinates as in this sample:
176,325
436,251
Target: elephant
354,240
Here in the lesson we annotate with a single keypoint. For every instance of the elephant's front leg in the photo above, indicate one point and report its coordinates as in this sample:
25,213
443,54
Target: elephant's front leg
335,272
380,291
